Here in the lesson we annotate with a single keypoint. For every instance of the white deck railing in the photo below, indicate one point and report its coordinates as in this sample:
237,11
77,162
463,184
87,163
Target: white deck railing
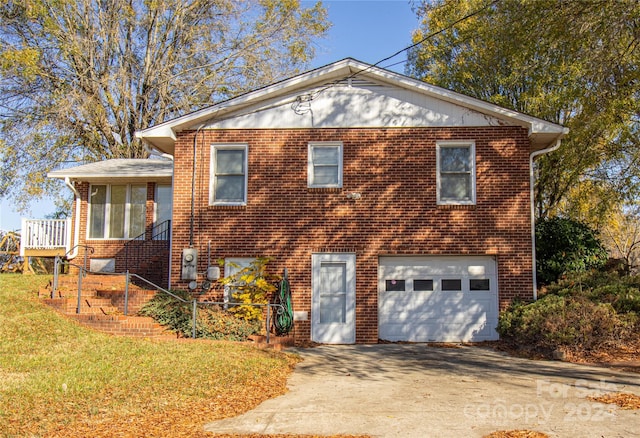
45,234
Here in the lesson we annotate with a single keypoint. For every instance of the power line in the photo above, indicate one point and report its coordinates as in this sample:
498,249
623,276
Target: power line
432,34
309,97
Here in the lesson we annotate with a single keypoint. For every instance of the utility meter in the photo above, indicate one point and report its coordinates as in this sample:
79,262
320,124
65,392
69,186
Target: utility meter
189,264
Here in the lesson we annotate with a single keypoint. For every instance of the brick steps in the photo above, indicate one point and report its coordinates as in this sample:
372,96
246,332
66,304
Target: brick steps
102,305
140,326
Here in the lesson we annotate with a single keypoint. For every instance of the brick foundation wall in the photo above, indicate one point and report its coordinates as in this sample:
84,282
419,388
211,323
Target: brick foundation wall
395,171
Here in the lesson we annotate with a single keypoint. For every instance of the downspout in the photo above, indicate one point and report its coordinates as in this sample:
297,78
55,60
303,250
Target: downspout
193,188
532,181
76,227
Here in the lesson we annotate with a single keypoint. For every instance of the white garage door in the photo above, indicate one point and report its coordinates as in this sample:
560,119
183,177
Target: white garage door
442,299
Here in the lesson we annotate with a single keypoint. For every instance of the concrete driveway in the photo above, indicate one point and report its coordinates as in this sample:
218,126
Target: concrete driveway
414,390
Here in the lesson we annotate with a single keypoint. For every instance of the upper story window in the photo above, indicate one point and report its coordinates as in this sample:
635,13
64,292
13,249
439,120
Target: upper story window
456,172
117,211
228,182
325,165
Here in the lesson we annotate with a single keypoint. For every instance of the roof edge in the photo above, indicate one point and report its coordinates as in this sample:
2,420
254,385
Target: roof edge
163,135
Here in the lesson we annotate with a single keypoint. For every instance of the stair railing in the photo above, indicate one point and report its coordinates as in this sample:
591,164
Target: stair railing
271,308
194,304
60,261
135,249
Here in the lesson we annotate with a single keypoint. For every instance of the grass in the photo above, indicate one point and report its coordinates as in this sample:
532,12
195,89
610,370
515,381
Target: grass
58,378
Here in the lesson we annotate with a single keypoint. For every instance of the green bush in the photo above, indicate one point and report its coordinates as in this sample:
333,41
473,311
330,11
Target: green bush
564,322
622,292
171,312
211,322
582,311
565,246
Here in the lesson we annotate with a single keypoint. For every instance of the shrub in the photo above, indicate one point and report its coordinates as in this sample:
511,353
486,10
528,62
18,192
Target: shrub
568,322
622,292
211,321
214,323
170,312
564,246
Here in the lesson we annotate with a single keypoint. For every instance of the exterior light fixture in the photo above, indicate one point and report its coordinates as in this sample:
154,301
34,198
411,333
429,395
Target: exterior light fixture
354,195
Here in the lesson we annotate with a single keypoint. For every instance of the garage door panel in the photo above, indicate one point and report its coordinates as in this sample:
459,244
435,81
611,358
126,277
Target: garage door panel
453,309
438,315
438,333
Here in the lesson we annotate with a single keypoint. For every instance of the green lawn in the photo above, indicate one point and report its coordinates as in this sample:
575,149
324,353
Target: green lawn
58,378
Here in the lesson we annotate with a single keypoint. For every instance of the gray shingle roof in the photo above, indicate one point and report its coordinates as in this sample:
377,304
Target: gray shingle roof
119,168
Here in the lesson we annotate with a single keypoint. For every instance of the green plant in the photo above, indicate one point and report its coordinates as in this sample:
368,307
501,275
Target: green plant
171,312
564,246
571,322
211,321
622,292
250,285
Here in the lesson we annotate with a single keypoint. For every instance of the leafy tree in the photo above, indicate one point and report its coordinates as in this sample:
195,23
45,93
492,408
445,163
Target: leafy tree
621,235
573,62
564,246
79,77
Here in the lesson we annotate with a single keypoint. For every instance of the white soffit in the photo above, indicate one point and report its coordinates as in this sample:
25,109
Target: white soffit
120,170
374,98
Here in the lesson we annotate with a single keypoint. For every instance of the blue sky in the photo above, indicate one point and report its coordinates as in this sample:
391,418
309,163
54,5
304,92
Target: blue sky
367,30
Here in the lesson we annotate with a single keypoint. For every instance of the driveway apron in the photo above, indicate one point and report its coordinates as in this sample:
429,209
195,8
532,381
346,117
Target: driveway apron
416,390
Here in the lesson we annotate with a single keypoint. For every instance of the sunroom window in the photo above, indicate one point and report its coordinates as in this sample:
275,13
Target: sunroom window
117,211
456,173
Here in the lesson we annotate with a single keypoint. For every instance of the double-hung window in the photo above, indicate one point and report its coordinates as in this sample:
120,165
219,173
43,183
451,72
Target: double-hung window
456,176
117,211
228,182
325,165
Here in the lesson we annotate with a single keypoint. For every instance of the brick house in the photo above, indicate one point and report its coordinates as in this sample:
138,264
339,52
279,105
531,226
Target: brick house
401,210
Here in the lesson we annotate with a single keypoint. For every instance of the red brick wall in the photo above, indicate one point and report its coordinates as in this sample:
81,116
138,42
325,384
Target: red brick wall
395,171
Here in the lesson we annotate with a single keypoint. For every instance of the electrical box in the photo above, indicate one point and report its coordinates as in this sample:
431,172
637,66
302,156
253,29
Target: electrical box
189,264
213,273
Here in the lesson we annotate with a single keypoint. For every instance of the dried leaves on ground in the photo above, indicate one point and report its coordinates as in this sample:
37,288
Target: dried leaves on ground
622,399
257,435
516,434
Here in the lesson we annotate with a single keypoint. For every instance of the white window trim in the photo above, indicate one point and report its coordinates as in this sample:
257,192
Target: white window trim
212,172
310,167
107,213
456,143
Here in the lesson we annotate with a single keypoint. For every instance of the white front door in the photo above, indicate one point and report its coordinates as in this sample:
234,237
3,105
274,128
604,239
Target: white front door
333,284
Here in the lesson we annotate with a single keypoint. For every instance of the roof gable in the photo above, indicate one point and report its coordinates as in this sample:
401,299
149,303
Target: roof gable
349,94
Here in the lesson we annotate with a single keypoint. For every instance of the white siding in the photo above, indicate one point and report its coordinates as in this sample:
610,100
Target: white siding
364,105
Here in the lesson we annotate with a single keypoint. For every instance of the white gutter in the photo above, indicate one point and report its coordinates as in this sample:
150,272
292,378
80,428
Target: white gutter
532,181
153,151
76,232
